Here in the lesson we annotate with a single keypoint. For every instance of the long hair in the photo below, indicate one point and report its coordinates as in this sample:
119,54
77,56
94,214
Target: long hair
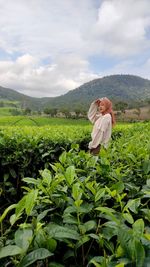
108,104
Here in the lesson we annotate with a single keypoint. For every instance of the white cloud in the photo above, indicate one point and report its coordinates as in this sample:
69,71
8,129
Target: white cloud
121,27
28,77
45,28
64,34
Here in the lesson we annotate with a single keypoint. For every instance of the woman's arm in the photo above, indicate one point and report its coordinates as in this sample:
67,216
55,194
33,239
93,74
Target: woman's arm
93,111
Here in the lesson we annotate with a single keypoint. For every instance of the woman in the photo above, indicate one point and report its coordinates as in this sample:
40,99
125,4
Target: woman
102,116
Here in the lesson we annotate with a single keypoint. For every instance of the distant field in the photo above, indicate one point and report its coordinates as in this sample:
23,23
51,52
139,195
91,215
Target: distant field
6,111
42,121
9,102
39,121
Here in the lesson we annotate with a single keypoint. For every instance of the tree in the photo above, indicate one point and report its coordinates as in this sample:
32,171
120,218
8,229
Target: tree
1,104
15,112
66,112
50,111
121,106
78,112
27,111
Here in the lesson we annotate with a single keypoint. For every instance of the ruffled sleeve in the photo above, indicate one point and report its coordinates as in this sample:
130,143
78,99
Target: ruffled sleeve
92,112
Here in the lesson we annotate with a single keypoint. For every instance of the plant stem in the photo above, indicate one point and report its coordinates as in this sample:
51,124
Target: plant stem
83,257
92,241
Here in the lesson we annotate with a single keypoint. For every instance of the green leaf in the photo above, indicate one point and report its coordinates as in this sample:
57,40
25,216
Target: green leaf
121,264
108,211
148,182
46,175
23,238
119,187
133,205
94,236
99,194
146,213
76,191
13,219
70,174
35,255
53,167
146,166
70,209
29,180
51,244
138,228
132,157
30,201
128,217
125,236
119,252
59,232
63,157
109,245
85,208
40,239
13,173
139,254
90,186
9,251
84,239
2,217
20,206
90,225
97,261
69,219
78,202
43,214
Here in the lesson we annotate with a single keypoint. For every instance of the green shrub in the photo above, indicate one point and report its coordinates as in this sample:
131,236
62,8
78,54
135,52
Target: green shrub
81,212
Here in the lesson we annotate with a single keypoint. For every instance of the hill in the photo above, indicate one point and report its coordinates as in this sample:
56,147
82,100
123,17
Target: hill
126,88
10,95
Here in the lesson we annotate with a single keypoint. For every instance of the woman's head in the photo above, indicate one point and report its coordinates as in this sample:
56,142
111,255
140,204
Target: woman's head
105,106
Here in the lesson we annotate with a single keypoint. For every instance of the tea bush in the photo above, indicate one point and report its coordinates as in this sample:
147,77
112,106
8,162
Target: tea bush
81,210
84,210
26,150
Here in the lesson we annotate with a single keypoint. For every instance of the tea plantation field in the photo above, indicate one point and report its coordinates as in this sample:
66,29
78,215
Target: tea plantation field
39,121
61,206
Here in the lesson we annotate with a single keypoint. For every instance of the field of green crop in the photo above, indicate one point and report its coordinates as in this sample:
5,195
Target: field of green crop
5,111
39,121
61,206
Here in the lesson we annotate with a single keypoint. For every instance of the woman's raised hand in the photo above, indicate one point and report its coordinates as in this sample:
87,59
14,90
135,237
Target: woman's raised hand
97,101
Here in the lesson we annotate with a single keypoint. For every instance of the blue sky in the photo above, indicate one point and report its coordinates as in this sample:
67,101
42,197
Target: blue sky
48,47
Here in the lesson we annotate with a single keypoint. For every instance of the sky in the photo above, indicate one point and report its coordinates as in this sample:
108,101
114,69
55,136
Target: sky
48,47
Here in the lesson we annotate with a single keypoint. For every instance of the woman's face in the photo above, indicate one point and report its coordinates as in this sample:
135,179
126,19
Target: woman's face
102,107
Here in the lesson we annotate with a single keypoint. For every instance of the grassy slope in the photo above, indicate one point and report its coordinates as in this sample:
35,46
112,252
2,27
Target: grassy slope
39,121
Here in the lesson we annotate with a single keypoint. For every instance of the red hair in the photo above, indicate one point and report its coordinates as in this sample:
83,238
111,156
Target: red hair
108,104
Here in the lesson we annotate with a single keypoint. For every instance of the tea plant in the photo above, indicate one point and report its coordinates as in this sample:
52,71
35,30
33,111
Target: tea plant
79,213
81,210
25,150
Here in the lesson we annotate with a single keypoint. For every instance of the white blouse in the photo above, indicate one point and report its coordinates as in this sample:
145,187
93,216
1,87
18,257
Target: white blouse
102,128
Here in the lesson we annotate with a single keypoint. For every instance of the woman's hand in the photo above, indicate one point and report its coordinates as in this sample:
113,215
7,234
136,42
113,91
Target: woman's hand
97,101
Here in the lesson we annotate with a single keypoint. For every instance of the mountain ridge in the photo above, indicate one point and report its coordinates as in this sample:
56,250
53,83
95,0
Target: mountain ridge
120,87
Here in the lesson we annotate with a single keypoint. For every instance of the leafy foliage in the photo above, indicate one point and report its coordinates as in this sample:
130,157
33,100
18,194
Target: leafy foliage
84,210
